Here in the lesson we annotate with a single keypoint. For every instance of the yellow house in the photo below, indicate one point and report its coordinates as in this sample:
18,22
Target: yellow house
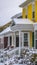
29,12
24,28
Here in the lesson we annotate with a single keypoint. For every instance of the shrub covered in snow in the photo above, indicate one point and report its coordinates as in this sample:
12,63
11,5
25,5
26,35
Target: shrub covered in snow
27,56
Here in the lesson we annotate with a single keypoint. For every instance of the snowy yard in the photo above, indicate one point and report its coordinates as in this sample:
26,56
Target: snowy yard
11,57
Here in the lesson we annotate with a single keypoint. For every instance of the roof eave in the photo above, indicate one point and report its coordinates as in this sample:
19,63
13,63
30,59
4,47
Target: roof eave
22,4
25,3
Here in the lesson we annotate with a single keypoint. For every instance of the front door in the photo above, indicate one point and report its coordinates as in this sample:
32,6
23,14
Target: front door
5,42
17,40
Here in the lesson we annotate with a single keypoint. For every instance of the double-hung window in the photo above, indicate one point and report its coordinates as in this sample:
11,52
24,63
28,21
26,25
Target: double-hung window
25,39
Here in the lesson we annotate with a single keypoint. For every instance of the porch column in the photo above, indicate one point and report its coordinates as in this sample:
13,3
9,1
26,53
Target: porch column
34,39
14,40
8,40
20,42
22,39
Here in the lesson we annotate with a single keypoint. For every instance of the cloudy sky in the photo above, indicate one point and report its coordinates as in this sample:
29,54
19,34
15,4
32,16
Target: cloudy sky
8,8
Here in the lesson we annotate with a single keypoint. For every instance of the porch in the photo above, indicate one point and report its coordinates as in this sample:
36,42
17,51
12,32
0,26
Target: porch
22,33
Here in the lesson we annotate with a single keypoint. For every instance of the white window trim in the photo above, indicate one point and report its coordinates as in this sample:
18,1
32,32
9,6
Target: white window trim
28,38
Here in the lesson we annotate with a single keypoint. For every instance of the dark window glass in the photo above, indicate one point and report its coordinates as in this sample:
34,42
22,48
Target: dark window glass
26,16
36,38
5,42
19,17
36,44
13,23
33,14
17,40
25,39
36,63
10,40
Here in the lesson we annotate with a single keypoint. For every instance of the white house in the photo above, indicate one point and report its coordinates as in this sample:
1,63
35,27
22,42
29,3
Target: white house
6,37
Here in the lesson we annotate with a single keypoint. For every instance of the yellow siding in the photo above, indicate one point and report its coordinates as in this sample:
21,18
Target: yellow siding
30,11
30,39
36,11
23,12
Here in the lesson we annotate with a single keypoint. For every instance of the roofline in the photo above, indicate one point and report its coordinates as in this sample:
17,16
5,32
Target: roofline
25,3
17,15
22,20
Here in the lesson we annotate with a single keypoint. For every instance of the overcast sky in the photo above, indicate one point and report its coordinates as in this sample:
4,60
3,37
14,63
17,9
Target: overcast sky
8,8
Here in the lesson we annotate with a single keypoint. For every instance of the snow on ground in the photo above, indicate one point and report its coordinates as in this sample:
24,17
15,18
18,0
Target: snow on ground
1,63
10,57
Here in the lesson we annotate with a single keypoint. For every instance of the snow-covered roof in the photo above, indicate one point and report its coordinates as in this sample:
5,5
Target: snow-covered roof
23,21
4,22
22,24
8,29
26,3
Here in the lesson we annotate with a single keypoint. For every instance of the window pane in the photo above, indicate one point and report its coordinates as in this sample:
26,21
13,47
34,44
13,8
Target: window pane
17,40
36,35
25,35
26,16
33,14
26,44
36,44
35,63
25,39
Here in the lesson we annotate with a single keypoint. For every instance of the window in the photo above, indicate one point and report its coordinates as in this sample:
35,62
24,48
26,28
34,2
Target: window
33,10
36,44
36,39
19,17
13,23
36,63
5,42
33,15
17,40
26,16
25,39
36,34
